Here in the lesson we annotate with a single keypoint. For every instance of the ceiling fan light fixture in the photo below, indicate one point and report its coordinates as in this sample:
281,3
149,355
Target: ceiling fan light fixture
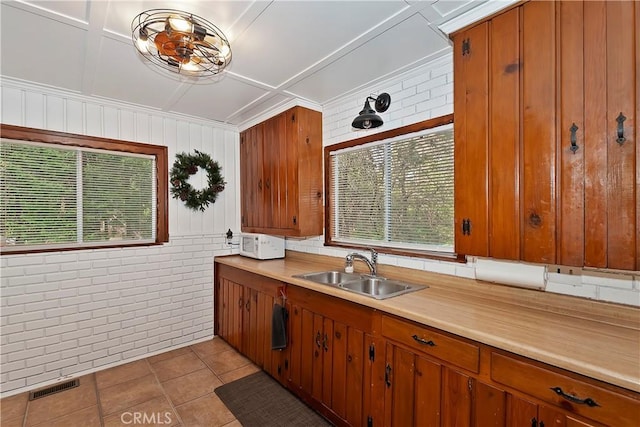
181,42
367,118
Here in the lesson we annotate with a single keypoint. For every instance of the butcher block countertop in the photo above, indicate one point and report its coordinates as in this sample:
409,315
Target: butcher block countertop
596,339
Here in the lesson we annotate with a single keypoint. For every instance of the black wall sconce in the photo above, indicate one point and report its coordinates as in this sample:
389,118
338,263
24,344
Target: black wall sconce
368,119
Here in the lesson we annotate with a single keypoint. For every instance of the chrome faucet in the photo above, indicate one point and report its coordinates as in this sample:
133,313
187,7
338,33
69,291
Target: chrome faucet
372,264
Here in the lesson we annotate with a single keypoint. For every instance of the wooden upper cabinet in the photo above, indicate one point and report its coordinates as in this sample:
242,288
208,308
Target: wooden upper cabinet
470,140
251,176
281,175
546,104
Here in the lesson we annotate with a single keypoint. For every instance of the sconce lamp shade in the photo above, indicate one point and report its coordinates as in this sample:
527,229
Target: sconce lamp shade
181,42
368,119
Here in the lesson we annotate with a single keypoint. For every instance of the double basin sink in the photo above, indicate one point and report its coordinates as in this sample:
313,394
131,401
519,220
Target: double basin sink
372,286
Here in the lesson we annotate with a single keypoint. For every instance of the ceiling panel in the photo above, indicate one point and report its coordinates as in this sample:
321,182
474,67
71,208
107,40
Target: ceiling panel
409,42
220,13
216,101
136,82
55,59
272,53
73,9
445,7
284,52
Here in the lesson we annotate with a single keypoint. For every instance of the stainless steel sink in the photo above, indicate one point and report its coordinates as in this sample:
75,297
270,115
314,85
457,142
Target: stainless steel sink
329,277
379,288
375,287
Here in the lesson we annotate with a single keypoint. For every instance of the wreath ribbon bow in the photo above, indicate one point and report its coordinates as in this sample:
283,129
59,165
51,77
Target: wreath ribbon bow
187,165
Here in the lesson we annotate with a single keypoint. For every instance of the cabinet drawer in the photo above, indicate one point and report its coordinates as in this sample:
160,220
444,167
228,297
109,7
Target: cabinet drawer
447,348
581,397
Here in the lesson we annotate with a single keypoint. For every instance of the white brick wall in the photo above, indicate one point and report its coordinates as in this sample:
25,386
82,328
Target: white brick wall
128,306
424,93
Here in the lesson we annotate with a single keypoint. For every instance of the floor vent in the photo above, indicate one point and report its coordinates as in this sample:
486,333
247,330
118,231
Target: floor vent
54,389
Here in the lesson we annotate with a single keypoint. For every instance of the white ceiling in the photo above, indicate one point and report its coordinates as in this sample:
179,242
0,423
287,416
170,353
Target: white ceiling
307,52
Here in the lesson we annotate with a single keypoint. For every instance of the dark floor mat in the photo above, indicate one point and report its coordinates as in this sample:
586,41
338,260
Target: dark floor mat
258,400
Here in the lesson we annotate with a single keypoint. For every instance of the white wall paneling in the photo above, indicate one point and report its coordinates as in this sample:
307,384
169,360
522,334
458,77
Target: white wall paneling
76,312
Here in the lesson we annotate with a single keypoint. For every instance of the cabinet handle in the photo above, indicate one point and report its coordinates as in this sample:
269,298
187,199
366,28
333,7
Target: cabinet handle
574,399
318,338
574,145
423,341
387,375
534,422
260,185
247,305
240,303
267,183
621,118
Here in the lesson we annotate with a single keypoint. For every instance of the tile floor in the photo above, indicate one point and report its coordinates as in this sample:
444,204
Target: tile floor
172,389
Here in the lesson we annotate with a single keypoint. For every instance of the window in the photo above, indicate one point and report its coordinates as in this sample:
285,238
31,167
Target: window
77,192
395,192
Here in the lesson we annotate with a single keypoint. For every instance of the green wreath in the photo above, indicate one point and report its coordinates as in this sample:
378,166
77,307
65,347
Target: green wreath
187,165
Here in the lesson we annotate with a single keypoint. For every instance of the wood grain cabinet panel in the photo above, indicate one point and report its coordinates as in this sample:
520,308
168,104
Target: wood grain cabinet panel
246,302
470,140
412,393
329,355
281,175
456,351
546,158
597,179
565,392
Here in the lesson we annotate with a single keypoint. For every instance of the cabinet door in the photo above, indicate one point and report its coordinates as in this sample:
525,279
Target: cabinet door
291,186
251,176
471,140
339,380
621,168
250,324
522,412
221,308
236,306
413,384
538,189
296,344
355,376
466,401
610,200
456,398
597,199
274,141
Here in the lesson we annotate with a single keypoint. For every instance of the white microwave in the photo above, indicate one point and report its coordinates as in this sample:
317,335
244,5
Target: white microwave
261,246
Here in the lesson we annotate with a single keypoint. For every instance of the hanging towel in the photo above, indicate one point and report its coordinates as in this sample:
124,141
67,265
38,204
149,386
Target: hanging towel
278,327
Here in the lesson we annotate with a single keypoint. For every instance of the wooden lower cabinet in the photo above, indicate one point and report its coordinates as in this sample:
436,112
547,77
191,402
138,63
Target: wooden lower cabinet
329,352
423,392
245,305
412,393
360,367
